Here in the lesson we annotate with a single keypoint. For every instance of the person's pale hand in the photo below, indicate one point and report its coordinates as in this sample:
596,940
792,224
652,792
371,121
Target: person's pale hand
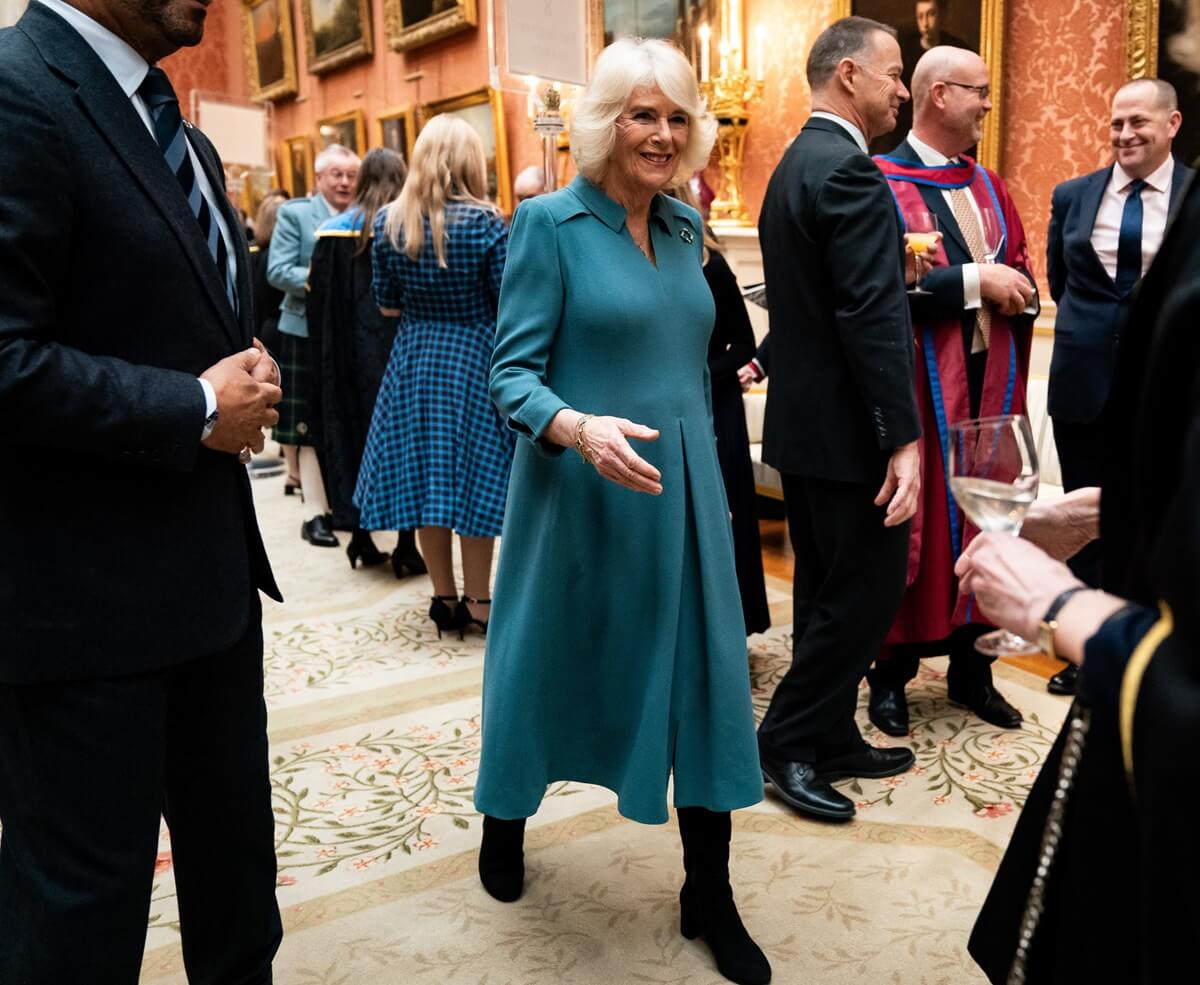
901,488
1064,527
245,405
917,265
1007,288
746,377
608,448
1013,581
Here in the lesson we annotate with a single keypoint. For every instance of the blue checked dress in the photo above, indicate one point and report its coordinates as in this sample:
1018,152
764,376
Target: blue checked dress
437,453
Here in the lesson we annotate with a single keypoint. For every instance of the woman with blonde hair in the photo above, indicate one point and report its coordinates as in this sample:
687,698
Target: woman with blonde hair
616,654
437,454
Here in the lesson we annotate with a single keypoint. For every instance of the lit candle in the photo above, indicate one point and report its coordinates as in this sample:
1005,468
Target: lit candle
705,46
760,62
735,32
723,48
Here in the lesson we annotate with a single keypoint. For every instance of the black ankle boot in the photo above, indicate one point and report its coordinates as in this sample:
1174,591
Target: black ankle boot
362,548
706,907
502,858
406,559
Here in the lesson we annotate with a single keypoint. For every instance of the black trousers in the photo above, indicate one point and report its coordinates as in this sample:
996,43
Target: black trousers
87,768
969,669
849,582
1081,456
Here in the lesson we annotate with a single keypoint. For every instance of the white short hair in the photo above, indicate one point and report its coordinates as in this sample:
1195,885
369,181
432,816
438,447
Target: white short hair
623,66
333,151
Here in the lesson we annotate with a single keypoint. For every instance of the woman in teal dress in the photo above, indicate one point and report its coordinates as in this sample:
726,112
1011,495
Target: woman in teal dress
616,652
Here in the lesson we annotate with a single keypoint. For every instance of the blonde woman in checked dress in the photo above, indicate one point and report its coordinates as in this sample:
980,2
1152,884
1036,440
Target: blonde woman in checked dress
437,456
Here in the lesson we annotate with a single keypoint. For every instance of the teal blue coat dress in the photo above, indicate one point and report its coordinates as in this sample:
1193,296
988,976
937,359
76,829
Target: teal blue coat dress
616,651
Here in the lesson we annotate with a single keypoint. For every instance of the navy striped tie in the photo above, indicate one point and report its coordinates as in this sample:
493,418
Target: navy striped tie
163,105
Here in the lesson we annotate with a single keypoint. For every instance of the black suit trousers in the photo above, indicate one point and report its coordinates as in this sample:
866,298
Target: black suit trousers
849,581
1081,454
87,769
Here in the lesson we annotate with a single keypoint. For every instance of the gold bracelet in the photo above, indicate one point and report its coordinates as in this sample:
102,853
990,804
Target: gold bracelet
579,447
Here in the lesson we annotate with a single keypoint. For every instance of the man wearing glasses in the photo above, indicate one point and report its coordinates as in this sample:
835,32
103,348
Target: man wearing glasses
973,329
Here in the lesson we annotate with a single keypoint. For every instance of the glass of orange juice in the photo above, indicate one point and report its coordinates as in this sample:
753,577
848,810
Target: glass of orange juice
921,236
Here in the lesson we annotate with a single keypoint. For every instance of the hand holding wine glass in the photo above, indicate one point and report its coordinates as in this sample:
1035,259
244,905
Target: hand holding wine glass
921,237
994,478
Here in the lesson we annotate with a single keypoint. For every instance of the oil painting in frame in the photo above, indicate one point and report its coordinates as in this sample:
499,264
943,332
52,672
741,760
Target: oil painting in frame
974,24
483,109
398,130
415,23
337,32
297,166
270,49
1164,43
348,129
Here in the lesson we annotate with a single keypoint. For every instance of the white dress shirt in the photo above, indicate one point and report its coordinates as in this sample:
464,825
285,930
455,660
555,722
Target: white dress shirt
1156,203
972,297
129,70
846,125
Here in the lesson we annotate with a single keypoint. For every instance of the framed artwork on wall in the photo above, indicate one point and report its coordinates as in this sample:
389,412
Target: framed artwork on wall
483,109
398,130
297,166
414,23
337,32
1164,43
920,24
348,129
269,46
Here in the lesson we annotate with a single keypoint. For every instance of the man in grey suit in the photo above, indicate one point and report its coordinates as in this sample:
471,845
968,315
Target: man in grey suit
288,260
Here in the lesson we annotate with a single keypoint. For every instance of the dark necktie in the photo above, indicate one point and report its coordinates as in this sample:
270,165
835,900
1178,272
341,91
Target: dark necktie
163,105
1129,240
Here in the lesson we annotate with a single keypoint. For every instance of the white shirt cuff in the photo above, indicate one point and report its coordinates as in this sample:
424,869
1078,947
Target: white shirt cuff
210,404
972,296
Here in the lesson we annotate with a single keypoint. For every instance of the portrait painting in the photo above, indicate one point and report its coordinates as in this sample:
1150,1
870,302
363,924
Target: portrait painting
397,131
269,49
414,23
337,32
483,109
1179,64
297,166
348,129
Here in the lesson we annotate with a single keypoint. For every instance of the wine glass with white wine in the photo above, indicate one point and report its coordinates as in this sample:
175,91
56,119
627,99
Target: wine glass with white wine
994,478
993,233
921,236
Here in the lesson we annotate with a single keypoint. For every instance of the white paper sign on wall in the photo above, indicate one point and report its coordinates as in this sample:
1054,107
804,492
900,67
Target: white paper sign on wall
549,39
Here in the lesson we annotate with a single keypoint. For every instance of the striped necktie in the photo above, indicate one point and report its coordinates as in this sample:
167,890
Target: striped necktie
163,105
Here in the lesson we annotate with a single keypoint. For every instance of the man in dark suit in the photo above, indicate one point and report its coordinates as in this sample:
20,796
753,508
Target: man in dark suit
1105,228
975,325
130,631
841,419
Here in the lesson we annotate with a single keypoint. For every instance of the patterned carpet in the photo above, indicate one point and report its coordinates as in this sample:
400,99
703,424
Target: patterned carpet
374,732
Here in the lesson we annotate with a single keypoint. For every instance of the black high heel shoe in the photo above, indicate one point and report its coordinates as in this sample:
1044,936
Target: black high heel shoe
468,621
362,548
502,858
443,616
406,559
291,486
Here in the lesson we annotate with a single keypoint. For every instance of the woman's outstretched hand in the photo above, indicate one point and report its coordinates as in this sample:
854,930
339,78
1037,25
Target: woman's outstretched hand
606,447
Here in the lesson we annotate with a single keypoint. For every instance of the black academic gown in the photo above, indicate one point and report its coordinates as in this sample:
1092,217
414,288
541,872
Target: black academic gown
1121,904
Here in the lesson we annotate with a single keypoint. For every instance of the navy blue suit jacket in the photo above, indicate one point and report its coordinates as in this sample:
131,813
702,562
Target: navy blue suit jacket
1091,311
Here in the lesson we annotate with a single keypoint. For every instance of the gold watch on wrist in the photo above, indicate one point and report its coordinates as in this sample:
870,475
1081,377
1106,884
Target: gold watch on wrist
1049,622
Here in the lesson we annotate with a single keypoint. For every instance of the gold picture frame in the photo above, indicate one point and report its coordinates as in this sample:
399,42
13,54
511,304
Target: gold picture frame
336,33
1141,43
348,129
991,50
483,109
297,165
415,23
269,49
397,130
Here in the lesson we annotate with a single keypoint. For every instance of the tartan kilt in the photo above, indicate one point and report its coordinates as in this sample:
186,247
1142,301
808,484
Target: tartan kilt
294,427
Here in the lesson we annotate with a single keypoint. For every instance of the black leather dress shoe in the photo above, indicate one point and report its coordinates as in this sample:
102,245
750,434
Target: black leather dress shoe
1066,681
318,531
888,709
989,704
869,763
800,786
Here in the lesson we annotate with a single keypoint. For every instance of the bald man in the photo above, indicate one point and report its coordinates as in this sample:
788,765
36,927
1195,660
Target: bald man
530,183
1105,229
973,331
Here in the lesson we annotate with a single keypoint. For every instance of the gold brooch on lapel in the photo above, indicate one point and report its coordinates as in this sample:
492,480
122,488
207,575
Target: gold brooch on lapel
687,236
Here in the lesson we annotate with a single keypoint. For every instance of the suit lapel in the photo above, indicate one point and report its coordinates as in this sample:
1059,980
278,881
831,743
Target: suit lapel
1180,179
936,203
102,100
1089,208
